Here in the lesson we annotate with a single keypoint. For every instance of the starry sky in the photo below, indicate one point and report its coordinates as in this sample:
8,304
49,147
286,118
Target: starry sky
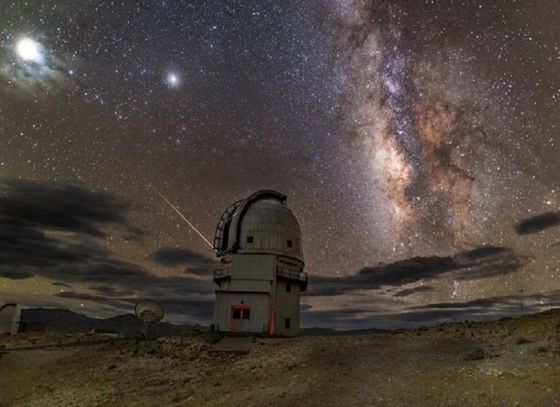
416,142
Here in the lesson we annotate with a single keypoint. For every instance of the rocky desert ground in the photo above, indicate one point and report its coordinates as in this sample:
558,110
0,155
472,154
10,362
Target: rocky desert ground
502,363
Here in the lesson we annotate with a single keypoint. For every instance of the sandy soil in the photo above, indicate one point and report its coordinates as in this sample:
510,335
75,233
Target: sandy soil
505,363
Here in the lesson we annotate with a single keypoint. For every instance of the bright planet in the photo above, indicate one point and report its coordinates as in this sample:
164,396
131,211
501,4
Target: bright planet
173,80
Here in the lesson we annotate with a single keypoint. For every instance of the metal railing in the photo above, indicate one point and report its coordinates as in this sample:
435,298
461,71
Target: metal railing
221,273
282,272
292,274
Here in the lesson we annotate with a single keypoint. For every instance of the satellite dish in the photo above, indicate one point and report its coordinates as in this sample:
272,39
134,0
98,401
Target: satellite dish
149,311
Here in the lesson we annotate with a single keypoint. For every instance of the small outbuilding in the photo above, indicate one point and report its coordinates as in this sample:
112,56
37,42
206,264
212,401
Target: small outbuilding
10,318
259,243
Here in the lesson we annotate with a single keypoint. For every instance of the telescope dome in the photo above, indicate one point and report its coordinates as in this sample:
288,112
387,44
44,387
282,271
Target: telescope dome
262,223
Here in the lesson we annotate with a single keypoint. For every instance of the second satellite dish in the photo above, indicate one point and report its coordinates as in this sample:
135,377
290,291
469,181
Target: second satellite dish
149,311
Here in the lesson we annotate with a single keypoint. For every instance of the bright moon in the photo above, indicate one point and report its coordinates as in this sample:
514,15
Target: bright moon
173,79
29,50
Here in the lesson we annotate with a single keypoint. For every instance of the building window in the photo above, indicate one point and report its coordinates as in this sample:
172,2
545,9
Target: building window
288,288
287,323
250,239
240,312
289,243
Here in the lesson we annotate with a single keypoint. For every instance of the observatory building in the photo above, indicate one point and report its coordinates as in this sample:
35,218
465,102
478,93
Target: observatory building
258,241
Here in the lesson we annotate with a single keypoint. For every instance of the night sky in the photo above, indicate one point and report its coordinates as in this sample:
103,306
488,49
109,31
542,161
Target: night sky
416,142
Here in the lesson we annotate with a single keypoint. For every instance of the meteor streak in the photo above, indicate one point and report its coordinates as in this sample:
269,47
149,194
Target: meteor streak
193,227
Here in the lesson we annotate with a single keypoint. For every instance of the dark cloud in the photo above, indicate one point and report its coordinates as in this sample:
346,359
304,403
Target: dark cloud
44,226
410,291
112,290
54,232
113,277
537,223
119,284
193,262
188,308
14,274
117,304
482,252
134,233
23,246
66,208
482,262
60,284
487,261
373,316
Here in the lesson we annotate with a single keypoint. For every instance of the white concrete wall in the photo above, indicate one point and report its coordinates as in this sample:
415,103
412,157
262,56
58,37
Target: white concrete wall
253,267
286,305
259,303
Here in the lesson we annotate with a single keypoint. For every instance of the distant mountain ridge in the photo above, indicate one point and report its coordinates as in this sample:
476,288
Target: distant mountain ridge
128,325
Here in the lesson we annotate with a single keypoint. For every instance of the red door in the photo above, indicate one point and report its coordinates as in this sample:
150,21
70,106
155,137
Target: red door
240,317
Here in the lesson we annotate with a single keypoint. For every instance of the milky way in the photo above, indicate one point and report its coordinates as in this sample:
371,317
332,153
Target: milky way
419,136
396,129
